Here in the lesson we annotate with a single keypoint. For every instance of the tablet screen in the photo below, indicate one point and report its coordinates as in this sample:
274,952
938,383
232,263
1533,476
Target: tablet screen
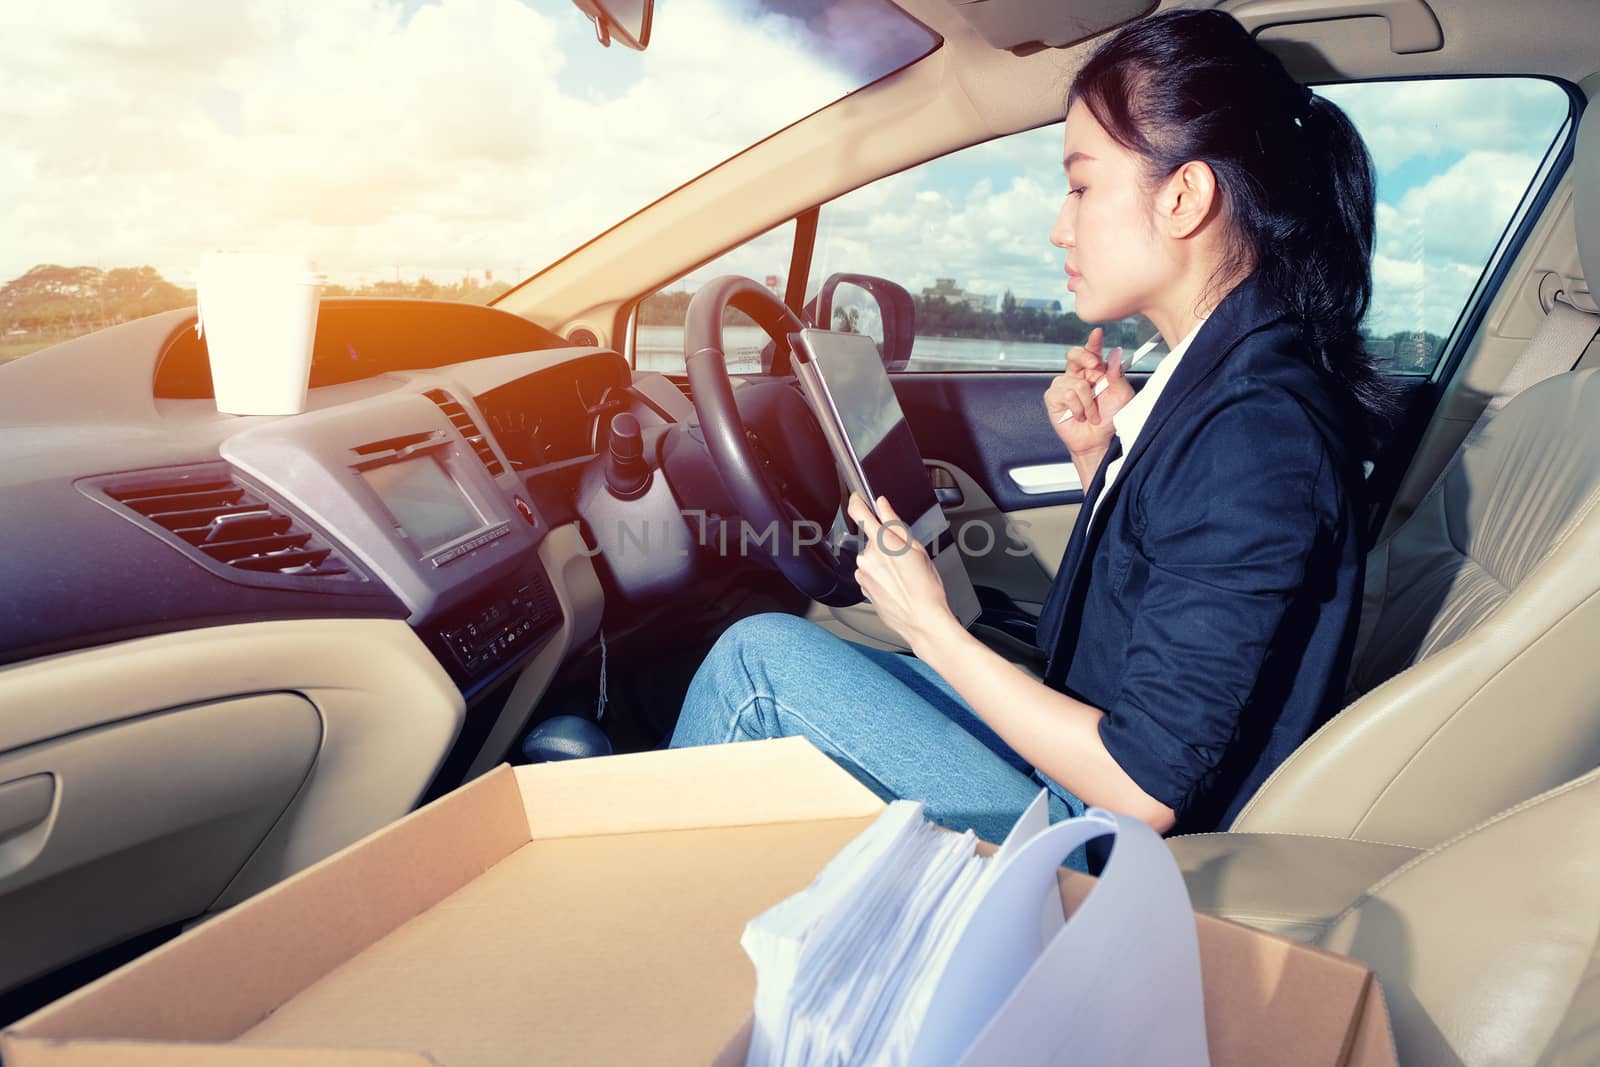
876,427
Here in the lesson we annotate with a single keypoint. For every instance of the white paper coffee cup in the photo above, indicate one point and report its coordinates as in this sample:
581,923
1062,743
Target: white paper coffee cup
258,316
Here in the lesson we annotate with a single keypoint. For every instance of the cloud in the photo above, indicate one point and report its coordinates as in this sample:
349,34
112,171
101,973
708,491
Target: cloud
979,218
975,217
1434,244
988,239
1460,212
1404,121
447,137
453,135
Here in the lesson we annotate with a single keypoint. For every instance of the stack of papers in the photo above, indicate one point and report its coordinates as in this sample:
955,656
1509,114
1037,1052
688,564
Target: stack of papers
911,949
847,969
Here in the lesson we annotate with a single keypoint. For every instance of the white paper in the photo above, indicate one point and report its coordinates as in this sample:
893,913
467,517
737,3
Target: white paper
910,949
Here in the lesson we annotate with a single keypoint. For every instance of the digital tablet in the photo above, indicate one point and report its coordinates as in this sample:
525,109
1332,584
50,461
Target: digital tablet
844,379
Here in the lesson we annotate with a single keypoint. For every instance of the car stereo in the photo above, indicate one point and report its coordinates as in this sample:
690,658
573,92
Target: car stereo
394,480
429,510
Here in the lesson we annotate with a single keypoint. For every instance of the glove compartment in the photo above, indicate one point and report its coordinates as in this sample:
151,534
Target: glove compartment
124,827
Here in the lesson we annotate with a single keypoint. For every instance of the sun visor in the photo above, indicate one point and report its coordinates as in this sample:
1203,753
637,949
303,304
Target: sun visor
1027,25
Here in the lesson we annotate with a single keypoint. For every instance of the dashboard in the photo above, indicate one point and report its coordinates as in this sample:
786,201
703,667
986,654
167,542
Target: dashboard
232,645
441,446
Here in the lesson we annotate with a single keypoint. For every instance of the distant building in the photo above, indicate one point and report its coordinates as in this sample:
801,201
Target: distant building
947,290
1035,303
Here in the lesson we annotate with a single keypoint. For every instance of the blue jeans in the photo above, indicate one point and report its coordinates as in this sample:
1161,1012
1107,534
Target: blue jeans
887,718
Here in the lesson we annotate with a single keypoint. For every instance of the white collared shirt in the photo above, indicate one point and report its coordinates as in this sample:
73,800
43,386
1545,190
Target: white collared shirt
1131,419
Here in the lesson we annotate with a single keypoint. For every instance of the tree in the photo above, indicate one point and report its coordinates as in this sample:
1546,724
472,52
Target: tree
1406,351
51,301
51,298
664,309
134,292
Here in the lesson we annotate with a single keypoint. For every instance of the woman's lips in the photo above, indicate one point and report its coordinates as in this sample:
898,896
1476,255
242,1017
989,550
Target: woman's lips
1073,277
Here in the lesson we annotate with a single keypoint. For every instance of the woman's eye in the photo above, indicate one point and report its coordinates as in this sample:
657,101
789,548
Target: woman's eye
1078,191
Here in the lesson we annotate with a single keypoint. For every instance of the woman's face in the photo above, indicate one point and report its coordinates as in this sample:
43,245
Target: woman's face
1117,264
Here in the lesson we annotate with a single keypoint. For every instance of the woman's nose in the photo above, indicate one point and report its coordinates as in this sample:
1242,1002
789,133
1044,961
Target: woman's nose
1061,234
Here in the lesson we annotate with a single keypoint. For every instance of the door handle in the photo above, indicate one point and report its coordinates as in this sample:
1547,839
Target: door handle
25,803
1046,478
945,489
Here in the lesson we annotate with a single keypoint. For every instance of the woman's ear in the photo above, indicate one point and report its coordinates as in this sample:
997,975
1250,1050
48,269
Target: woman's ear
1187,199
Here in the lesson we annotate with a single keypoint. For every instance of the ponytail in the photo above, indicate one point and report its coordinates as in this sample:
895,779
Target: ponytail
1295,176
1323,272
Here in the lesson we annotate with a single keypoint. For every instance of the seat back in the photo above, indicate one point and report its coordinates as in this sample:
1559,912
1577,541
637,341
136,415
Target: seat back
1488,947
1492,591
1477,657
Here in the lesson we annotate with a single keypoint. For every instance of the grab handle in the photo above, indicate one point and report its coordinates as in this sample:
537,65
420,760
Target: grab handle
1413,27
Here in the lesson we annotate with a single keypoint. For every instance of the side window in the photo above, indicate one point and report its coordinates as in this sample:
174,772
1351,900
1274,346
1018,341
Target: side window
658,340
1455,157
969,234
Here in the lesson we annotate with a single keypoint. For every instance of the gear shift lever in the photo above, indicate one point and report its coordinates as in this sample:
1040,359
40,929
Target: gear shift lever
627,473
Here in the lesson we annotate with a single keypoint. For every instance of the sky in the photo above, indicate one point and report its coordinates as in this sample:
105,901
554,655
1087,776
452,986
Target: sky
396,138
389,138
1453,159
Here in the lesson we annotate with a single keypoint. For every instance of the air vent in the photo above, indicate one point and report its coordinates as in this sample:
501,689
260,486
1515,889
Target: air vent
683,386
233,526
462,421
392,444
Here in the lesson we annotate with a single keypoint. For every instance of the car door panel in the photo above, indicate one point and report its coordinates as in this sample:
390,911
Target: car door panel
148,781
986,424
989,431
1017,551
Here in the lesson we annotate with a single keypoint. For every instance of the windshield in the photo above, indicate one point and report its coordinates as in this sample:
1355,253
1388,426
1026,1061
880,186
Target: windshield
438,149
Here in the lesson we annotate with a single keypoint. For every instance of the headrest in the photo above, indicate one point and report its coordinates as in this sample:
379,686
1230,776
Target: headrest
1586,194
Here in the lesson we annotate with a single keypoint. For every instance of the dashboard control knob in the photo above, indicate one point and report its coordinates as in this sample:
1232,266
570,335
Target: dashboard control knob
627,473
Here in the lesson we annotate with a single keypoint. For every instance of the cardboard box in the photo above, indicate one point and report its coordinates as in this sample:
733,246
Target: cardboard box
584,912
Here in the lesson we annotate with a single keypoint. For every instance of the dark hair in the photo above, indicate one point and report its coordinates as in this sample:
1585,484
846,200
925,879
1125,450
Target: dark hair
1295,177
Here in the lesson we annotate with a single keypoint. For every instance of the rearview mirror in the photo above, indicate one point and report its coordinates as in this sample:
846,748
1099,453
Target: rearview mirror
626,22
877,307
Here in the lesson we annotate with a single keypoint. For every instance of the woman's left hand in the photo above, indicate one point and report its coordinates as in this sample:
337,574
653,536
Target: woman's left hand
896,575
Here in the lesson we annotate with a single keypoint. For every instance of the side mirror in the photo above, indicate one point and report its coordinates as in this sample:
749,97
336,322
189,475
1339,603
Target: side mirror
877,307
626,22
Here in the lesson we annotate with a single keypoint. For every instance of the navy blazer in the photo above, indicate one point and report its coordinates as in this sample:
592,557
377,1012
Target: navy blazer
1210,607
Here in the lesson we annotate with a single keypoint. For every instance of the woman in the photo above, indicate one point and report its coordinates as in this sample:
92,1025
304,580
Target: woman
1202,621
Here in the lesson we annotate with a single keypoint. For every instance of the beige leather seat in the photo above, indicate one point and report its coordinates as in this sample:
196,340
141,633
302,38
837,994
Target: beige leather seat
1492,592
1488,946
1478,662
1483,611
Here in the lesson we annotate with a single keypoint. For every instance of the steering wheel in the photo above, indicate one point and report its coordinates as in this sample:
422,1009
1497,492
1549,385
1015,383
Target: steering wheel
767,446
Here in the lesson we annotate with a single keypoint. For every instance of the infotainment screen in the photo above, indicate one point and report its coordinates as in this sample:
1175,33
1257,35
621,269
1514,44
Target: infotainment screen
428,506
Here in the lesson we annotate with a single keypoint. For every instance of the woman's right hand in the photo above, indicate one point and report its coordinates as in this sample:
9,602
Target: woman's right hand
1081,419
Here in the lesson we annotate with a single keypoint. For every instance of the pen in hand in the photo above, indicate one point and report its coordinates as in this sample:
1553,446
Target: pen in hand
1099,387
